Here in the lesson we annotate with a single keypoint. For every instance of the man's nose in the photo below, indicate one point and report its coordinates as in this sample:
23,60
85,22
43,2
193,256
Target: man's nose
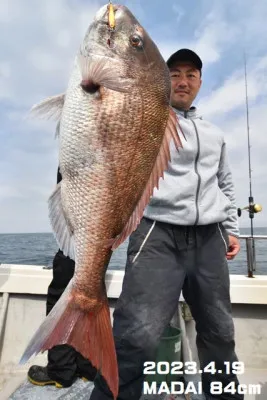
181,83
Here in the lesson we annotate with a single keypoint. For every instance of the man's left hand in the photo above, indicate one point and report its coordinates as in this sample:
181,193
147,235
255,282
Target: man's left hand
234,247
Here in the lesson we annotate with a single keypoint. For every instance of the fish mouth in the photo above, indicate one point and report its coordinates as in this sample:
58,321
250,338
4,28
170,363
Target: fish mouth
102,13
110,19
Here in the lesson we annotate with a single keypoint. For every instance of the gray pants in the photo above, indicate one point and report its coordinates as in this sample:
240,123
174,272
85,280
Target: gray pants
162,261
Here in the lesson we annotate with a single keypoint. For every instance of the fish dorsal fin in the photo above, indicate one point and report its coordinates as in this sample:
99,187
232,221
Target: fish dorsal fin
160,166
49,108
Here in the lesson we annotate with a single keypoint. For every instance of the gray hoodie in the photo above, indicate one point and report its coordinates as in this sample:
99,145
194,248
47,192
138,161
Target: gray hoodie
197,189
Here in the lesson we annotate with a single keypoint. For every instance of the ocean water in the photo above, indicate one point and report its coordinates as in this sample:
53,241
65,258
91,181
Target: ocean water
40,249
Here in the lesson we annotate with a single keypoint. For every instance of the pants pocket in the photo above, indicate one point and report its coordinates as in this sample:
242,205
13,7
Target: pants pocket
224,236
139,238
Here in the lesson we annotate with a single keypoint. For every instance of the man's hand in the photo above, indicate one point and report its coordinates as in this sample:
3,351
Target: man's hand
234,247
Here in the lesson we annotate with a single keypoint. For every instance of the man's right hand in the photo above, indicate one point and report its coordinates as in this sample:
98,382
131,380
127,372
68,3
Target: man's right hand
234,247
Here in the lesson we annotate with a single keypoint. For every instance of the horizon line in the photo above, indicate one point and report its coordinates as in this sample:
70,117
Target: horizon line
46,232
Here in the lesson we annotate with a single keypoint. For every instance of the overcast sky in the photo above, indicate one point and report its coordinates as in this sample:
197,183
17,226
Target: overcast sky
38,41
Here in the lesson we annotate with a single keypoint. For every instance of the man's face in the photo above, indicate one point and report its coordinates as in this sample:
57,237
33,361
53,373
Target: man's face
185,82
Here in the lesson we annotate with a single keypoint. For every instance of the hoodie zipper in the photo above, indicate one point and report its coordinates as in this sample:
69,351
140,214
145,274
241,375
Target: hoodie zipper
196,170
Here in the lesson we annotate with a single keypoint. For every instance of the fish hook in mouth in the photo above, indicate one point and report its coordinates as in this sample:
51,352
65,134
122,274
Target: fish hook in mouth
111,16
111,24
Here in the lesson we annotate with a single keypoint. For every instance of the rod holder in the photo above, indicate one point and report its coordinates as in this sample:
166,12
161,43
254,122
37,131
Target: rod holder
251,256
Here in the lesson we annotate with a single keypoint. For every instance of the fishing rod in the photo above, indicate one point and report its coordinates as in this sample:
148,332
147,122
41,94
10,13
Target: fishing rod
252,208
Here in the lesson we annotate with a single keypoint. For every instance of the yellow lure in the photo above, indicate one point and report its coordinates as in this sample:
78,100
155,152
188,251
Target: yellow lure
111,16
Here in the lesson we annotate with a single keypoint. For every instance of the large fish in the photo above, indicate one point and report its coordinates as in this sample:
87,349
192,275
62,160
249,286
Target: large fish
115,130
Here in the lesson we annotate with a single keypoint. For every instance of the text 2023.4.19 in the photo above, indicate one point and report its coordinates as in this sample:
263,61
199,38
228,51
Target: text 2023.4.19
191,368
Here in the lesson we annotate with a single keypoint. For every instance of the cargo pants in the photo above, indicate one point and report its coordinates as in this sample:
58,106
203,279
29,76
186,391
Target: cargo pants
162,261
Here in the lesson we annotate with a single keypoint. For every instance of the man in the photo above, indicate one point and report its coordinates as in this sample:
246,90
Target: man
64,362
188,232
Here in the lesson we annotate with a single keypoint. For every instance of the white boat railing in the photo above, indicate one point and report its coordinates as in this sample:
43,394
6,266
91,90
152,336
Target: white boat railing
251,253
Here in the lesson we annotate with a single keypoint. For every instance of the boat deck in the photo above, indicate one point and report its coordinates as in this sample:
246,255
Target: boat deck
81,390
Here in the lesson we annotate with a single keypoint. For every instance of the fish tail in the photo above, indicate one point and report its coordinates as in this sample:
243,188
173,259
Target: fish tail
89,332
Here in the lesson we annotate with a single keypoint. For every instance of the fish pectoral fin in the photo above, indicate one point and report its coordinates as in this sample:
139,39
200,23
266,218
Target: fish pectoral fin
49,108
160,166
100,71
62,230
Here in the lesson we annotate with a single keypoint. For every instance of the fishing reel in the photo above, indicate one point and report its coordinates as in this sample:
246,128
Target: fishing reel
252,209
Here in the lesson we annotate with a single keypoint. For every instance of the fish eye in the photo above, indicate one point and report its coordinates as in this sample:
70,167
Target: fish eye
136,40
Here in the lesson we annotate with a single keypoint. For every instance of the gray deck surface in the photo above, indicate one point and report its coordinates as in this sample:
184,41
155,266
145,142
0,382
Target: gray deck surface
78,391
